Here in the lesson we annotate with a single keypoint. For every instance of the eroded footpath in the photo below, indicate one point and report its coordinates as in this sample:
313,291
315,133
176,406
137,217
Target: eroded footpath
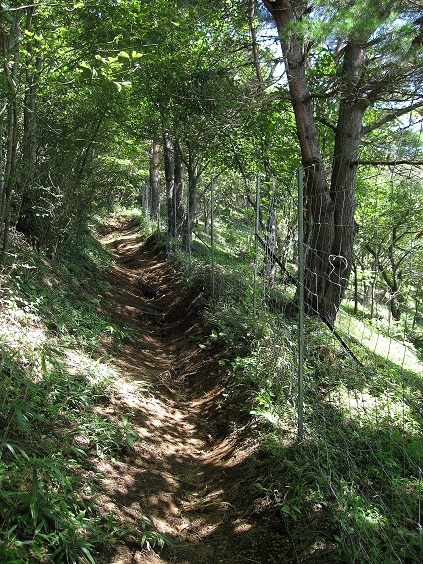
193,473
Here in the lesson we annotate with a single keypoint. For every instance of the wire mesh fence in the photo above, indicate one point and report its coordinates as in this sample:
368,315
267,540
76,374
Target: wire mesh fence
346,389
369,409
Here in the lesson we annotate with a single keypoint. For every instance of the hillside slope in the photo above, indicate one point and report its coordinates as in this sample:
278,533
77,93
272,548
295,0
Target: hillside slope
192,473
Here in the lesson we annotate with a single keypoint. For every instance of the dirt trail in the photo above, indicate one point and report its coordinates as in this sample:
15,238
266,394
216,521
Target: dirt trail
191,474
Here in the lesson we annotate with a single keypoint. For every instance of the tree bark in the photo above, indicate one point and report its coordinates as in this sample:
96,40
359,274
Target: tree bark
26,215
194,173
154,180
179,191
169,167
389,268
256,57
29,140
330,211
10,49
174,186
344,178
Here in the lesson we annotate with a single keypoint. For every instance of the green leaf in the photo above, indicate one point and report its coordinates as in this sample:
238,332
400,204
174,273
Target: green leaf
43,365
123,84
33,504
87,554
129,441
15,450
39,527
35,483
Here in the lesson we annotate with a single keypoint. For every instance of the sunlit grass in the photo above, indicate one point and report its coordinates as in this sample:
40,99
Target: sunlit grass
53,383
398,351
361,449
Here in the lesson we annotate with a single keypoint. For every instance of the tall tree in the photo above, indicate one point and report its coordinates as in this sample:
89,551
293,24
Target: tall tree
154,180
10,35
375,55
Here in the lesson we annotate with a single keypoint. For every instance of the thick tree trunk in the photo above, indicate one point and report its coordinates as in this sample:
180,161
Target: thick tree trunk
154,180
330,212
344,179
318,200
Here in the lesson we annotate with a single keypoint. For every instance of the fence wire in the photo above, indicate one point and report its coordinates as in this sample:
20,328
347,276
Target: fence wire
353,388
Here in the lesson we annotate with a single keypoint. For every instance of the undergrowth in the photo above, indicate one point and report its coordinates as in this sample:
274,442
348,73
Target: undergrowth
350,490
52,379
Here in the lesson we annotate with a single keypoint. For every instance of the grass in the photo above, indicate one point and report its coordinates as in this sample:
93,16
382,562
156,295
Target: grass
52,378
351,490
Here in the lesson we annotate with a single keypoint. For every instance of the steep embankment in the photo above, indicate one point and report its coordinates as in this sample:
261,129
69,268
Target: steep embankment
192,473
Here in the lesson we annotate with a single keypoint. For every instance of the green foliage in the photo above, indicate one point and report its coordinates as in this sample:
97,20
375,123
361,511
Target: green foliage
57,294
141,532
41,513
50,427
150,537
355,474
361,466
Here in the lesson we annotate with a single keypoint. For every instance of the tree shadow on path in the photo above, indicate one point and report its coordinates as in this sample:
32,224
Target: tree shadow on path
193,473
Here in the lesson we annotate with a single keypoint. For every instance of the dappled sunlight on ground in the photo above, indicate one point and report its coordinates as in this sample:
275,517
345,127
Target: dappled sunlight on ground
192,476
394,349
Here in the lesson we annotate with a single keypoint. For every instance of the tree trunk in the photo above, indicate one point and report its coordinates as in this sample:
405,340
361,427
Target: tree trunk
253,33
10,48
395,279
391,278
344,179
178,192
29,141
26,215
154,180
10,174
174,186
169,167
331,229
355,288
271,241
193,176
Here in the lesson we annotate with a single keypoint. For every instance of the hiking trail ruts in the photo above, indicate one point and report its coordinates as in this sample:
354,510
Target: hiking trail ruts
191,474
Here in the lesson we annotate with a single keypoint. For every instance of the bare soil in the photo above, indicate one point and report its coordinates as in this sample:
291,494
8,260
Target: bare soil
193,474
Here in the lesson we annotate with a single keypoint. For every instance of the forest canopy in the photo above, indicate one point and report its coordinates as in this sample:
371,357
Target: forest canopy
211,280
101,97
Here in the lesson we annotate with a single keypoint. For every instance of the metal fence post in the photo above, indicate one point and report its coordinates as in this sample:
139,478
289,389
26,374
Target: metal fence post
256,232
189,234
300,302
212,234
